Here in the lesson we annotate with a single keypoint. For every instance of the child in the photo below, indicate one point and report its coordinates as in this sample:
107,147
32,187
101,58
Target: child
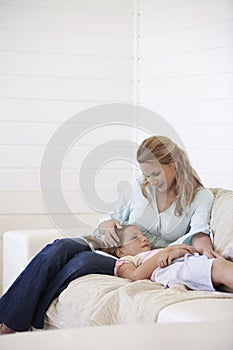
172,265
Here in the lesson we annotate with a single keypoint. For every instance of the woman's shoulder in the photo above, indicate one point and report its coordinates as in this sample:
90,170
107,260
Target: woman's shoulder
204,193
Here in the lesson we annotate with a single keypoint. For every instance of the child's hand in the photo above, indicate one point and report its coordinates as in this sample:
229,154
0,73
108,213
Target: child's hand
174,252
189,248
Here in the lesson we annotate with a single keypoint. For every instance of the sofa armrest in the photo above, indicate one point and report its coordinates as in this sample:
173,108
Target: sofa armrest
19,247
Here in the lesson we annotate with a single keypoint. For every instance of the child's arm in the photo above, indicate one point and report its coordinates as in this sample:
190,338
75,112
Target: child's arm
162,259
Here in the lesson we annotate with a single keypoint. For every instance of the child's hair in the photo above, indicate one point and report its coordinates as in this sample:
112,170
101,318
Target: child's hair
97,244
165,151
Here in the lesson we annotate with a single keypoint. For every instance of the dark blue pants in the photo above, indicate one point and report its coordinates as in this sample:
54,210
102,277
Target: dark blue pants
45,277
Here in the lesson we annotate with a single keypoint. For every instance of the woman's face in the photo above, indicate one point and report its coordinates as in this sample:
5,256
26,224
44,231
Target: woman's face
163,176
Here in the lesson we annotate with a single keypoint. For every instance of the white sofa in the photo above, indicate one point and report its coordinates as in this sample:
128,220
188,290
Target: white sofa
180,336
96,300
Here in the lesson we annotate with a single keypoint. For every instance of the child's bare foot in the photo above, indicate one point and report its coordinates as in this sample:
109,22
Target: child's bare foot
5,330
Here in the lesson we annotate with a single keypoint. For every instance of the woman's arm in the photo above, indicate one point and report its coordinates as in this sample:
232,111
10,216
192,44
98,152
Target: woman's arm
162,259
200,234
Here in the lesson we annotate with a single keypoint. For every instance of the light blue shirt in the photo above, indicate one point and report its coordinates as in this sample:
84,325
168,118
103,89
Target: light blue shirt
163,228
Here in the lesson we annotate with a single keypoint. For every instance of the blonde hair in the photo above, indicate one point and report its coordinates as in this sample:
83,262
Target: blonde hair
97,244
165,151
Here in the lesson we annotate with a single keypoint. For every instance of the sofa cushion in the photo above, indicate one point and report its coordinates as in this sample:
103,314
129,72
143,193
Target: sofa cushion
97,300
222,222
183,336
198,310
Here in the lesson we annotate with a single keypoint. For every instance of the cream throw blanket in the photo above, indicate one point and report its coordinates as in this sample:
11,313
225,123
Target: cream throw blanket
103,300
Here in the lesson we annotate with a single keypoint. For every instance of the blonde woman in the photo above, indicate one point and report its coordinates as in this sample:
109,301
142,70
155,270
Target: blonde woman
169,204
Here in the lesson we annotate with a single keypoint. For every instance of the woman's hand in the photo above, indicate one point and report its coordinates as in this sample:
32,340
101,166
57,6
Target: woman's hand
170,253
211,254
204,246
107,228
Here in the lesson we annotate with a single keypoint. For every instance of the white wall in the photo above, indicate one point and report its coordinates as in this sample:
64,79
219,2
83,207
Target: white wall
57,58
186,75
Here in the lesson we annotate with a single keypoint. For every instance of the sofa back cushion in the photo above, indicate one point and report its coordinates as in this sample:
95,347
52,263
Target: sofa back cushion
221,222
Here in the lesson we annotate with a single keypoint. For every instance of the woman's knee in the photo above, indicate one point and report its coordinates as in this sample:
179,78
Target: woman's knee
97,263
71,244
65,247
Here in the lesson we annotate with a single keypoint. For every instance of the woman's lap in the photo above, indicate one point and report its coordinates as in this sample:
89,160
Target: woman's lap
45,277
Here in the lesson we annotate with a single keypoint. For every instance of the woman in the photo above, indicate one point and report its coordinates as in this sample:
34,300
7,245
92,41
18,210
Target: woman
170,206
169,203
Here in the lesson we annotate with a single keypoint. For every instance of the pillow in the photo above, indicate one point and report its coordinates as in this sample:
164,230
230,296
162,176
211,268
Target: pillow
221,222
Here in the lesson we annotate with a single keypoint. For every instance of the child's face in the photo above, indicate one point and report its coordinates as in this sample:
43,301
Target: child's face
134,242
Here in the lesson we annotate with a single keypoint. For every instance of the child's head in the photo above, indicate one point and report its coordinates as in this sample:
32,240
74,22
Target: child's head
132,242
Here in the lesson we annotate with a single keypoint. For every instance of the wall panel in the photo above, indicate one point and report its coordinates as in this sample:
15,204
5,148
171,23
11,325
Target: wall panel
65,43
64,66
64,88
90,5
185,15
186,39
185,74
65,20
218,86
57,58
44,111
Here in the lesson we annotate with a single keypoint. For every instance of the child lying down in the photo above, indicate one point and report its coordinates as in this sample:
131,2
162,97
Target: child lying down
175,264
